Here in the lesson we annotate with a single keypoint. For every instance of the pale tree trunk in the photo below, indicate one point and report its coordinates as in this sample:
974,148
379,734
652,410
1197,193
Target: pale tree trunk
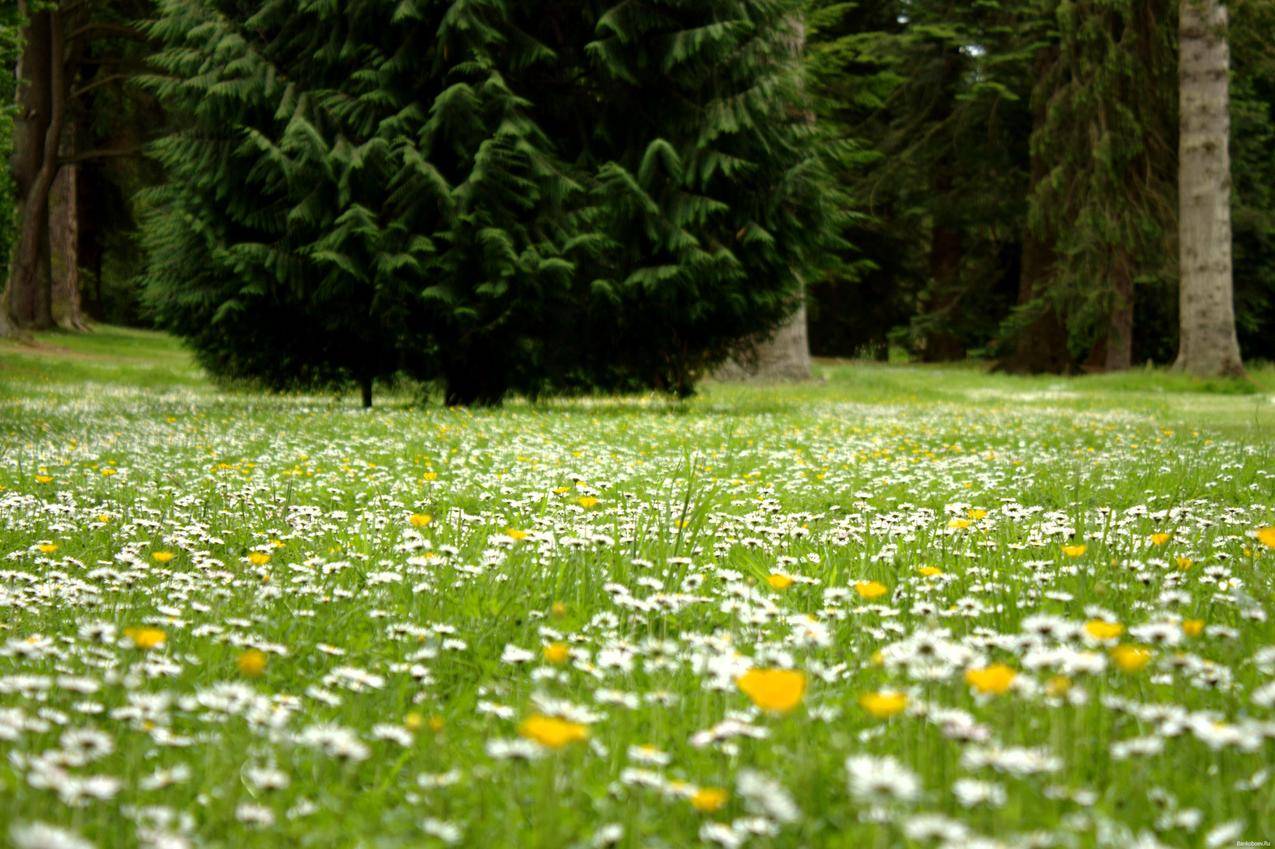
784,357
1208,345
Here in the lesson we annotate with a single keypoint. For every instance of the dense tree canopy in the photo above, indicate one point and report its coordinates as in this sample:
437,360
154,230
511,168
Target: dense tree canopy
482,193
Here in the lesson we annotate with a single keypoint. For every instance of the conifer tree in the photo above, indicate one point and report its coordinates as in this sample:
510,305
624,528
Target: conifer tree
1101,203
479,192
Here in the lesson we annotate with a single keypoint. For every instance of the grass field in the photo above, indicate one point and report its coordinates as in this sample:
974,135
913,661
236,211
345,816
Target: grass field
901,606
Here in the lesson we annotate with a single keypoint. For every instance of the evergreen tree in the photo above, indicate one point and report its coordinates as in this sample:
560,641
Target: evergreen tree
1102,196
479,192
932,95
1253,170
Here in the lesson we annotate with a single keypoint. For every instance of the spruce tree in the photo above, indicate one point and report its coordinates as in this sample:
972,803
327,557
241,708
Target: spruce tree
1105,196
481,193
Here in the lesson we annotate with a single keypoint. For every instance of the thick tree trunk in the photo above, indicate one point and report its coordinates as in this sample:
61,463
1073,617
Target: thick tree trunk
785,357
365,390
27,302
1208,345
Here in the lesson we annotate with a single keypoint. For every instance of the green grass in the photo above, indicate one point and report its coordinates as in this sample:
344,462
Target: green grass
668,547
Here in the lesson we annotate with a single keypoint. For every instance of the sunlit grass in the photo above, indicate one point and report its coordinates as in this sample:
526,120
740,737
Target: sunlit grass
897,607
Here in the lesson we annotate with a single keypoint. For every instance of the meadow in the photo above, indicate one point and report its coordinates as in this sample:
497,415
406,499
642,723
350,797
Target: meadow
900,606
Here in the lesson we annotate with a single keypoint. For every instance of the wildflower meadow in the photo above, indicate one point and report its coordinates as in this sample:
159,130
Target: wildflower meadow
895,608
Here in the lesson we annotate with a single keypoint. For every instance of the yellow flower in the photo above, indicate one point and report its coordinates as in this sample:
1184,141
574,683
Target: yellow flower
146,638
883,704
586,501
514,533
870,589
107,472
436,723
930,571
103,518
779,581
430,476
1266,536
1131,658
252,663
552,732
959,524
561,490
559,609
420,520
975,513
1184,563
1058,686
47,547
994,679
774,690
162,556
708,800
1193,627
1075,550
44,478
557,653
1100,629
1160,539
258,558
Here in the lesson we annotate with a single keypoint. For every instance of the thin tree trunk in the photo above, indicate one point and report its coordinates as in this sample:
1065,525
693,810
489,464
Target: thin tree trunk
1208,345
365,389
64,250
1118,355
1041,344
946,243
942,345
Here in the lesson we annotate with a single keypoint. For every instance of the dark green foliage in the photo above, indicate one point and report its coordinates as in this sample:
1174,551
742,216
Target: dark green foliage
1252,43
10,36
492,195
933,96
1106,199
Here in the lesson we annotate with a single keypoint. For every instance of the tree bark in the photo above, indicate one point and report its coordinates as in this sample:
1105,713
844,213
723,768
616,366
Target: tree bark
1119,348
784,357
1041,344
365,390
64,250
27,302
1208,345
942,345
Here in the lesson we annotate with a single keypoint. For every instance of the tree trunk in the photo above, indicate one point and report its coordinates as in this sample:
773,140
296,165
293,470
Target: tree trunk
942,305
1208,345
785,357
64,250
1118,355
1041,344
941,344
27,302
365,389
